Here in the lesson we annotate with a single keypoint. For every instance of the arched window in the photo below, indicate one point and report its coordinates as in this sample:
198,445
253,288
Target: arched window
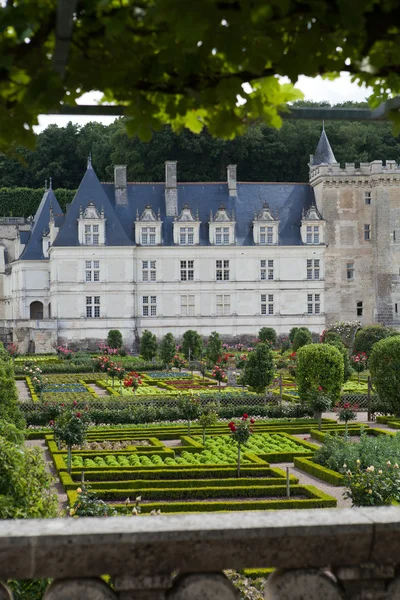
36,310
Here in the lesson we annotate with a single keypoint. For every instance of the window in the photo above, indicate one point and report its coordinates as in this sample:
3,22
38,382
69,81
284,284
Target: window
396,308
149,306
266,270
350,271
222,237
313,268
186,236
223,305
91,235
92,270
187,270
266,235
313,304
92,307
367,198
367,233
312,234
148,270
187,306
222,270
148,236
267,304
359,309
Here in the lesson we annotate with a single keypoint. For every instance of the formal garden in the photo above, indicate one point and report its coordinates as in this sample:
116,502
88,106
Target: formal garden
277,423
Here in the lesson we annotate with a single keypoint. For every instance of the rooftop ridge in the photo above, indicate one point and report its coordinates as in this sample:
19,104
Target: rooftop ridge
211,182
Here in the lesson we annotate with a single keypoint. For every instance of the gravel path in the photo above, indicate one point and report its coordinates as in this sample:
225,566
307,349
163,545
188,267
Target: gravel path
58,488
23,391
99,390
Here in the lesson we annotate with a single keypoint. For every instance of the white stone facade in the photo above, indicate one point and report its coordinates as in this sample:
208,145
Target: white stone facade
204,273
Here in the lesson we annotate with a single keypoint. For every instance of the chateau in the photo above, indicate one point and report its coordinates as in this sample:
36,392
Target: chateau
230,256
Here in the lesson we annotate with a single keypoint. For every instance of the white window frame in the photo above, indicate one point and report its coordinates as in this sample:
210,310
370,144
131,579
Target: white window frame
148,236
313,304
367,198
92,307
187,305
223,305
313,269
360,308
367,232
222,236
267,304
91,234
186,236
350,271
149,306
266,269
222,270
149,270
92,271
187,270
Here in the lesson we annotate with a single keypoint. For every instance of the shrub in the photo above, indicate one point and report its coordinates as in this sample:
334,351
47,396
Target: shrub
384,364
214,348
334,339
148,345
114,338
192,344
259,368
293,332
301,338
372,487
167,349
319,366
9,409
368,336
267,334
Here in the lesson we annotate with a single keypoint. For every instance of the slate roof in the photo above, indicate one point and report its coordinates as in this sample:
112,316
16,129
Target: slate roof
324,153
90,189
34,249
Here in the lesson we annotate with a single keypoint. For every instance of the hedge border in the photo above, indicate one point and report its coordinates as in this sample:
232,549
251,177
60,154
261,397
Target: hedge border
312,468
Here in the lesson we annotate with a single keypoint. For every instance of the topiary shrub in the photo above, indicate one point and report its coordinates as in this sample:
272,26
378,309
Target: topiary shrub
301,338
167,349
259,368
267,334
148,345
319,366
368,336
214,348
114,338
334,339
192,344
384,364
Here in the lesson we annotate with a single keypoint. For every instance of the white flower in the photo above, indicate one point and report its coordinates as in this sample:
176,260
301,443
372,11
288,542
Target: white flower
139,499
370,469
396,466
134,512
380,472
369,491
388,463
358,461
344,466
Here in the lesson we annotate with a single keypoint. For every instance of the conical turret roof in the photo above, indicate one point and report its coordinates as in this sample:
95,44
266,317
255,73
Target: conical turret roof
324,153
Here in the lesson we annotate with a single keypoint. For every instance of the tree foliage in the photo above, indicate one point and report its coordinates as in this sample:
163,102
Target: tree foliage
302,338
114,338
206,52
9,409
368,336
214,347
267,334
334,339
384,364
167,348
259,368
192,344
148,345
293,332
319,366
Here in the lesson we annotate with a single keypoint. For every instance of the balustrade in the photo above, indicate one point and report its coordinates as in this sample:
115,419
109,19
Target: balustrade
349,554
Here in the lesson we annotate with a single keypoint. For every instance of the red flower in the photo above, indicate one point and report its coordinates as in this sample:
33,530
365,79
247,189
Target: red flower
252,421
320,388
347,405
51,423
245,416
75,403
78,414
62,404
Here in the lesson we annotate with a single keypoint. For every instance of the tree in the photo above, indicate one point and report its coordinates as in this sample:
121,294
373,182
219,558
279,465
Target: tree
214,347
267,334
294,330
259,368
70,427
9,409
368,336
167,349
384,364
148,345
334,339
241,431
192,344
302,338
319,368
189,409
114,338
208,418
197,77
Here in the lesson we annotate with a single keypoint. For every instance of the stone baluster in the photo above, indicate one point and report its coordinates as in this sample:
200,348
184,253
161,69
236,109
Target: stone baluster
296,584
89,588
198,586
147,587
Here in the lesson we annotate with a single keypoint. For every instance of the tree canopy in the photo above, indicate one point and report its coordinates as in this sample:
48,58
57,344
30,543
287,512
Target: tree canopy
185,63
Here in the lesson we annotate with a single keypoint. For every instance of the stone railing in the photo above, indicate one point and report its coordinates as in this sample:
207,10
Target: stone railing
319,555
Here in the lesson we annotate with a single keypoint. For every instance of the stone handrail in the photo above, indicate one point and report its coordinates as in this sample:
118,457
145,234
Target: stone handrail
319,554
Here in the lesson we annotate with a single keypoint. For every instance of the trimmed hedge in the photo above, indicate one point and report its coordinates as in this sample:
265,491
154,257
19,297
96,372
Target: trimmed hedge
213,472
328,475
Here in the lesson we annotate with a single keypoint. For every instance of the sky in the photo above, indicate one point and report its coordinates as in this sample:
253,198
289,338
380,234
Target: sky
317,89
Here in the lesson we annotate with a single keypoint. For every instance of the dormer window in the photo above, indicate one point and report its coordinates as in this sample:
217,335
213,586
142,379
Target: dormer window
265,227
312,227
187,228
222,228
91,226
148,228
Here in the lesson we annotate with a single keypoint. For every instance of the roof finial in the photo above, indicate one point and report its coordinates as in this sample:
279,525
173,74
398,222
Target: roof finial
45,185
50,183
89,161
323,125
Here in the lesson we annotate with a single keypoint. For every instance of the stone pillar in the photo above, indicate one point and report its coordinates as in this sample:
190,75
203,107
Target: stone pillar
121,195
296,584
171,189
210,586
147,587
79,589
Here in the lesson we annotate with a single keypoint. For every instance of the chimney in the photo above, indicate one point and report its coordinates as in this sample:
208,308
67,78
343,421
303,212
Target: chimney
231,173
121,196
171,190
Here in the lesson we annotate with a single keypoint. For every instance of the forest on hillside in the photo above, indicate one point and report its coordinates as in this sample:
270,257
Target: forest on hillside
262,154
